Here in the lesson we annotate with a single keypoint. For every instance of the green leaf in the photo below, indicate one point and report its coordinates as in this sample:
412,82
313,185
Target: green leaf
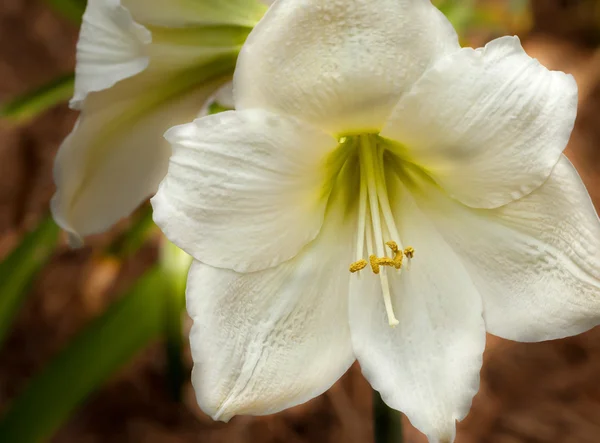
88,361
19,269
33,103
71,9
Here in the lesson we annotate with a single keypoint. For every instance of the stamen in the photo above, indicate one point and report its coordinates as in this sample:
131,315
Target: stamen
358,266
376,221
384,199
374,264
362,216
377,262
370,167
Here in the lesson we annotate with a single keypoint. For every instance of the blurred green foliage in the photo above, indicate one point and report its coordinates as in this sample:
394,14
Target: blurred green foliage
478,21
71,9
19,269
130,241
152,308
91,358
27,106
175,264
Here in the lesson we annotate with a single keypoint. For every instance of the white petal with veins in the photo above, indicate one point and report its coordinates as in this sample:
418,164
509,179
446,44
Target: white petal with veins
340,65
489,124
428,365
536,261
116,156
108,166
246,190
265,341
111,47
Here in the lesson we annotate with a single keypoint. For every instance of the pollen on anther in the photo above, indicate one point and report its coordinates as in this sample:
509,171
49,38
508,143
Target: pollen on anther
396,262
374,264
358,266
386,261
393,246
409,252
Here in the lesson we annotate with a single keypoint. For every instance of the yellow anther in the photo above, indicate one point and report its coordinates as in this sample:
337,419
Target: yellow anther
358,266
393,246
377,262
374,264
398,260
386,261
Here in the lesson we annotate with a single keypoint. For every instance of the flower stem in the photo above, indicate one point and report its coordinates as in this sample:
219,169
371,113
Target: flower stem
387,422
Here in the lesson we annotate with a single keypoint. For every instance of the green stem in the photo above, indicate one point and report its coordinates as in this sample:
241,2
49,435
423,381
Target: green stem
387,422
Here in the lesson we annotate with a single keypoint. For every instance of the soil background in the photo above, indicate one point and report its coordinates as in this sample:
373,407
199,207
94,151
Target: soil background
533,393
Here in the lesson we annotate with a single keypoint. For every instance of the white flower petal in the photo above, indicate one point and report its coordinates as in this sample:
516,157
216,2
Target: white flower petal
340,65
265,341
427,366
181,13
116,156
536,261
111,47
245,190
489,124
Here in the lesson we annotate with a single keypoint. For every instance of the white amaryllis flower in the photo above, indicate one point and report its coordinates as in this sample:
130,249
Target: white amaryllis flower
142,67
379,194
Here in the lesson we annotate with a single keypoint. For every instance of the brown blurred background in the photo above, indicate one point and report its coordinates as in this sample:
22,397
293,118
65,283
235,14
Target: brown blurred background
534,393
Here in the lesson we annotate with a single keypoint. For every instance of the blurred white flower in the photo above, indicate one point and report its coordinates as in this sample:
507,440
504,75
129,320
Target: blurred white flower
142,66
365,137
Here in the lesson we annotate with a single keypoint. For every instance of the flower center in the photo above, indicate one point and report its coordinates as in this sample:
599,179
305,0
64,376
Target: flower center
376,227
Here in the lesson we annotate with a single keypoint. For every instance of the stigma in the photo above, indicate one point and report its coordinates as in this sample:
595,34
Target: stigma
376,222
